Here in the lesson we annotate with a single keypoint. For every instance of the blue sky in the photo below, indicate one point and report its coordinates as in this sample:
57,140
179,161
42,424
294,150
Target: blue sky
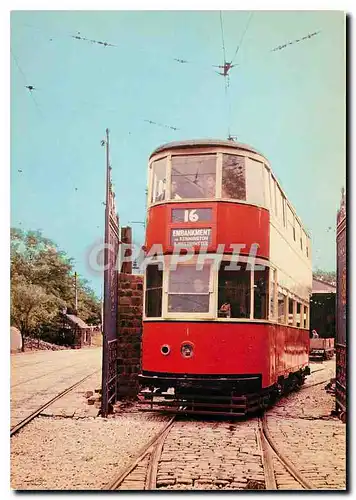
288,104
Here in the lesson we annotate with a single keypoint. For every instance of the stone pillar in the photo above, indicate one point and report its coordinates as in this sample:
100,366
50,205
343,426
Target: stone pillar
129,334
126,237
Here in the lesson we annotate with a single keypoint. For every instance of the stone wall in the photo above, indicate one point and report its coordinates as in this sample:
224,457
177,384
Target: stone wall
129,334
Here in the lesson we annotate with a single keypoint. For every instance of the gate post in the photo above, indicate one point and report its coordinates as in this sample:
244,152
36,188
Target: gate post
109,363
341,312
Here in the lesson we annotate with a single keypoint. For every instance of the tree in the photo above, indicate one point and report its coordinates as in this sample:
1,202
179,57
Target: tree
31,306
42,282
327,276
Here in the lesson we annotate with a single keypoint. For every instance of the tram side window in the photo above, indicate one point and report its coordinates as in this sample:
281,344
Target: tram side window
193,177
233,177
280,206
281,308
189,289
234,292
305,315
273,285
298,237
159,183
254,183
298,314
267,187
290,223
290,312
260,290
153,291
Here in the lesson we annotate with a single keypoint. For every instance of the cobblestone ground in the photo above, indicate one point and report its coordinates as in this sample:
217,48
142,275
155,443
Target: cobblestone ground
306,433
211,455
38,377
201,455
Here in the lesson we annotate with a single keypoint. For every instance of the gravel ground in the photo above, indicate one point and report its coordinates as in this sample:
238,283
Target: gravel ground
78,454
57,452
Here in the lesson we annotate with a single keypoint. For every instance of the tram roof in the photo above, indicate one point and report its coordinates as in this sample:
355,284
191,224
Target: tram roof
205,142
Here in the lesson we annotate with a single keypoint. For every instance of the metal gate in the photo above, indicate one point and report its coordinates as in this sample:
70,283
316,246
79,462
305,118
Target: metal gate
341,341
109,366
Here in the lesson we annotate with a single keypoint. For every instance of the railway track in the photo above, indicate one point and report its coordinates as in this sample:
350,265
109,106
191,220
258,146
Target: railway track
279,472
269,446
16,428
45,374
142,473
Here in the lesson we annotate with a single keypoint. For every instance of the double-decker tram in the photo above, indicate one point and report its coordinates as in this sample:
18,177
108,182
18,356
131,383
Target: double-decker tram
227,281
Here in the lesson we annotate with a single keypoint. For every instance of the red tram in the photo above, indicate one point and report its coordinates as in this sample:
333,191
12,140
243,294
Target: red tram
227,282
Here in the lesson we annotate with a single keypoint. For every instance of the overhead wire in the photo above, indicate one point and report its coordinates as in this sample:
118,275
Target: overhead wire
226,79
25,80
242,37
222,36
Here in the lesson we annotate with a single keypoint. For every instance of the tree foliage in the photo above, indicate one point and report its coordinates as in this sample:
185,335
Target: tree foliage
327,276
42,283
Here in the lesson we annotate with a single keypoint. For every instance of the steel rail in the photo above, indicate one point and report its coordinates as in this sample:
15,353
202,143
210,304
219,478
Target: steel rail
284,460
267,461
148,448
33,415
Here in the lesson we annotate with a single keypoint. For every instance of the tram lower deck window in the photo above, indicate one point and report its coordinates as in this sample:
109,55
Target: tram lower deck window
234,292
189,289
260,290
154,276
281,308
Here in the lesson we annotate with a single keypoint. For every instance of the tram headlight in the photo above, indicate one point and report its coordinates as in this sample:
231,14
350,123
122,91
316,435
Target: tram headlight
186,350
165,349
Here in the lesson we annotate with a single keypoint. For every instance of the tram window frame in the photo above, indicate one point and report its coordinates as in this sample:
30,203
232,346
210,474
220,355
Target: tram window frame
194,161
258,293
186,296
241,307
149,289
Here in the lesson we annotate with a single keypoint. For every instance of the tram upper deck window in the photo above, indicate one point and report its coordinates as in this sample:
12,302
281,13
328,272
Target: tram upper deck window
153,300
159,180
189,289
233,177
234,291
193,177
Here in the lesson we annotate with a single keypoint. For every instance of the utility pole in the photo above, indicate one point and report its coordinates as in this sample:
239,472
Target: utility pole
76,291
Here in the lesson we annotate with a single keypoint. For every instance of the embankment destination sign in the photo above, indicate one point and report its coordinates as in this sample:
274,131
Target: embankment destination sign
191,236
